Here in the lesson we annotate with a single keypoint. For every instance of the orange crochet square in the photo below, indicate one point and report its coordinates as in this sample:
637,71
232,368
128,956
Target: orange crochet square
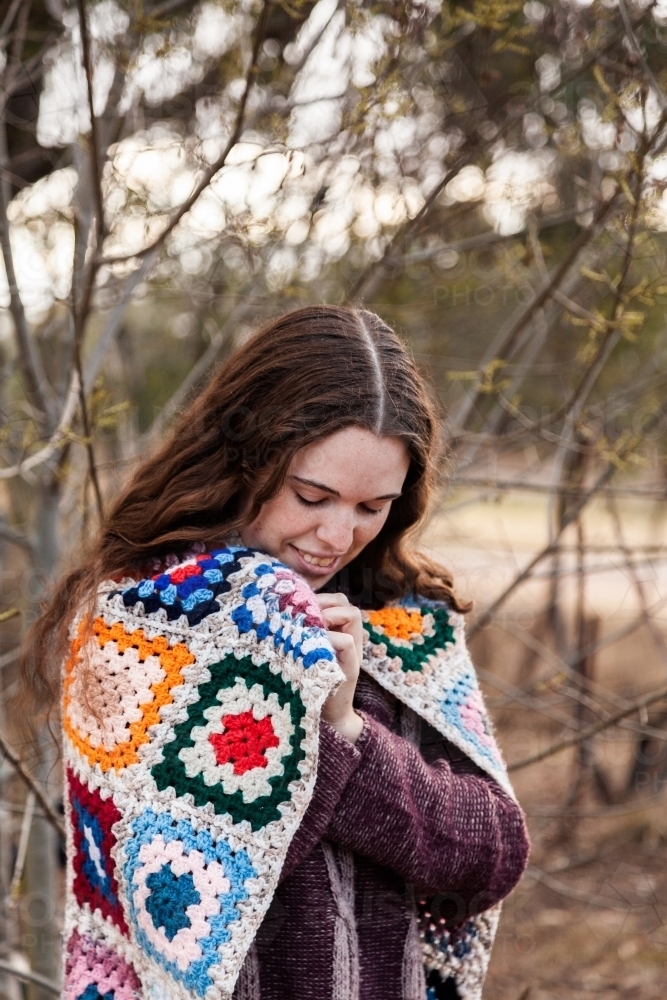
107,678
397,623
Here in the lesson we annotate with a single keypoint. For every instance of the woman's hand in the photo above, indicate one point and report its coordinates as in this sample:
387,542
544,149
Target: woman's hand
346,634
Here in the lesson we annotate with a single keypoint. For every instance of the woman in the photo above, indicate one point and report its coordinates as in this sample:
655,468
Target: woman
280,776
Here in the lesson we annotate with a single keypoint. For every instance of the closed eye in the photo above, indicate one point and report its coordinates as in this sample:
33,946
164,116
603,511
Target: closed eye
310,503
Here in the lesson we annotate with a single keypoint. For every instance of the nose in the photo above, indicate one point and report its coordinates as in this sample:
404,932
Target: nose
337,531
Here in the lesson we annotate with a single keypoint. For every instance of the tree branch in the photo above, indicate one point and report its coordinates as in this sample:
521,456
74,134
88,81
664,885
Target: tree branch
37,387
564,890
94,139
210,173
57,438
585,734
197,372
49,812
508,336
634,43
30,977
14,537
113,323
6,25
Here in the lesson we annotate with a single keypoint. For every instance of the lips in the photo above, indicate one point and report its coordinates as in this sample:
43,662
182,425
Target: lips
316,564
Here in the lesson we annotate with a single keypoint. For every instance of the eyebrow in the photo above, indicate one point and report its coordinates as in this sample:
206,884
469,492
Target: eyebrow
335,493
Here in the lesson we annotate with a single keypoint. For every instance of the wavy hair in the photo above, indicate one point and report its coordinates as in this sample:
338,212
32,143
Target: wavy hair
301,377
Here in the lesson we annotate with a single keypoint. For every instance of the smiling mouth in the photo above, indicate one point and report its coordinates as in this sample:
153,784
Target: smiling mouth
321,562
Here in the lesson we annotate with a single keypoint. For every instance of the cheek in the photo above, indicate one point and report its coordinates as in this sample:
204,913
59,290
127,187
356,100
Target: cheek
370,527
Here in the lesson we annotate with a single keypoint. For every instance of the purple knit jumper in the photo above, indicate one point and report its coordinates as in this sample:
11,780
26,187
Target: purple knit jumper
391,820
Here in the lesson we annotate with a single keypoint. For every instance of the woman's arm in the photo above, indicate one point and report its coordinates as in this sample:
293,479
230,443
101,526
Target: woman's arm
338,759
445,832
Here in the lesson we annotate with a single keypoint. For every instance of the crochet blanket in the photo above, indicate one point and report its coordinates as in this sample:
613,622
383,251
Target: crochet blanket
191,719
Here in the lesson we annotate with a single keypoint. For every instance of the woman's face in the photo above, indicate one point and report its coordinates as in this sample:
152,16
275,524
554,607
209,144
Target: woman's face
336,497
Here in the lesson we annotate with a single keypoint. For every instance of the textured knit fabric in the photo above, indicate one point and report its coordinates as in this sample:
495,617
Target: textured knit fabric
413,830
222,838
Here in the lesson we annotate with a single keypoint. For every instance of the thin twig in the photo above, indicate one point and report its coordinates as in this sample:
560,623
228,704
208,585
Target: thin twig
197,371
650,492
507,336
656,634
489,238
564,890
585,734
14,537
570,516
632,38
94,138
30,977
113,323
57,438
32,367
215,167
26,825
49,812
6,25
77,320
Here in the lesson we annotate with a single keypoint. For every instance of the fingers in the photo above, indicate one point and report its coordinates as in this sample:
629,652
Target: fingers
348,620
336,616
341,641
346,654
331,600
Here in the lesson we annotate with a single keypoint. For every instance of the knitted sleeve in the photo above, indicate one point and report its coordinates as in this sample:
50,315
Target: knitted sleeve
338,760
445,832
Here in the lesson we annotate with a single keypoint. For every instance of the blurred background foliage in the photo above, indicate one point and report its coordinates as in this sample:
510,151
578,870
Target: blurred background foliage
490,177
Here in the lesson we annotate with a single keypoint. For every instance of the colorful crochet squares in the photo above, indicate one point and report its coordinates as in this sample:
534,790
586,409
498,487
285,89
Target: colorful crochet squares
114,689
463,708
279,604
190,588
93,971
408,635
183,888
92,818
240,746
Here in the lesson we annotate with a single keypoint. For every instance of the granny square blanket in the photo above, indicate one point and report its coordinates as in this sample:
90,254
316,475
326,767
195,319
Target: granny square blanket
191,704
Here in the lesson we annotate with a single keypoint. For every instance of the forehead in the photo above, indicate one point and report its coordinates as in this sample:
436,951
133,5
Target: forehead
354,461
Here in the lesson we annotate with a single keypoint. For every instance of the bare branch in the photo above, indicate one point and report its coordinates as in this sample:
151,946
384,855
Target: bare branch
490,238
30,977
507,336
564,890
14,537
49,812
83,406
6,25
113,323
215,167
650,492
632,38
488,614
94,139
57,438
656,634
32,368
197,371
585,734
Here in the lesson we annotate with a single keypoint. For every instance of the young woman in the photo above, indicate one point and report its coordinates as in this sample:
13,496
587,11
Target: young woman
280,777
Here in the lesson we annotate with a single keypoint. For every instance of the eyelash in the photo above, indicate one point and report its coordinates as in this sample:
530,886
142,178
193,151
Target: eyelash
316,503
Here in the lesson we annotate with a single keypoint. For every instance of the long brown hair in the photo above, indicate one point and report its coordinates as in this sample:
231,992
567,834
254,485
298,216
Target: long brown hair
301,377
